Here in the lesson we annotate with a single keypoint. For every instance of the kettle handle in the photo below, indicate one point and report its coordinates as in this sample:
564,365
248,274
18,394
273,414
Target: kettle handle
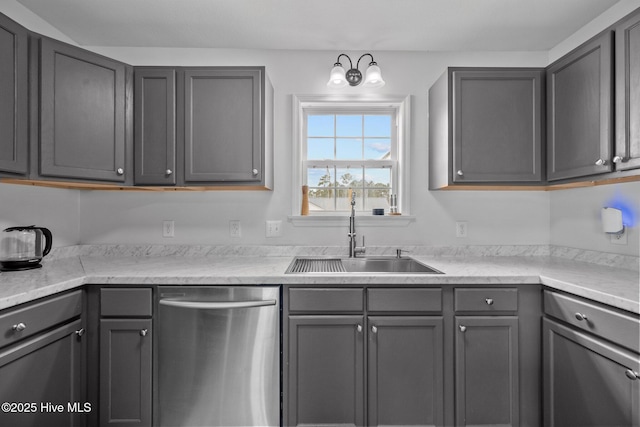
48,237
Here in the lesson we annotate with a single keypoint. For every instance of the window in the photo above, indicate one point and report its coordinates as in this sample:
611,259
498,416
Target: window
350,145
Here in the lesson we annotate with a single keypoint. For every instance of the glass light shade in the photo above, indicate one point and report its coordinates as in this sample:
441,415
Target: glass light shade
337,77
373,77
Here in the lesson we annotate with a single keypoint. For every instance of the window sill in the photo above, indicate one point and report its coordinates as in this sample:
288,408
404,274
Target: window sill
343,220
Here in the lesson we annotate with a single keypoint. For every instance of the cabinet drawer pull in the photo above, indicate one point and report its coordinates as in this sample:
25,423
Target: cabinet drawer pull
19,327
601,162
143,332
463,328
631,374
618,159
460,173
489,301
580,317
374,329
359,328
120,171
80,332
168,172
254,172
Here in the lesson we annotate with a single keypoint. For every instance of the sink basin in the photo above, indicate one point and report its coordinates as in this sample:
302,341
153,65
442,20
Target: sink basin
373,265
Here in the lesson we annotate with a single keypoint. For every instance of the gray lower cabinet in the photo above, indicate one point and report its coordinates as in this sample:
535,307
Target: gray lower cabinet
82,114
627,65
126,332
42,364
405,371
580,111
487,371
13,97
326,370
486,125
591,356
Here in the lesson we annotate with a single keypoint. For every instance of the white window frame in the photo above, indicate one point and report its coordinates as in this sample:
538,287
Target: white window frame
400,145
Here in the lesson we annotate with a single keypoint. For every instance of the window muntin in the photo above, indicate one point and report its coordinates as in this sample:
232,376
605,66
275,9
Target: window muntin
350,149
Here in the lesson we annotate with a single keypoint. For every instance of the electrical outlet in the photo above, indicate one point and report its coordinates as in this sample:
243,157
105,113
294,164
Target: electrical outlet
619,239
461,229
273,229
234,228
168,228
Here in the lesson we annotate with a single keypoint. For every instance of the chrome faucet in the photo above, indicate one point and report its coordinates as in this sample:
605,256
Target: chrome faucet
353,247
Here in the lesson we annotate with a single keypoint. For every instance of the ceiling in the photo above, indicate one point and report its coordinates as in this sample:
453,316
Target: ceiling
422,25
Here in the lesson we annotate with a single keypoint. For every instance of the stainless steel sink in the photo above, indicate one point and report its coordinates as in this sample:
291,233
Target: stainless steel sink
373,265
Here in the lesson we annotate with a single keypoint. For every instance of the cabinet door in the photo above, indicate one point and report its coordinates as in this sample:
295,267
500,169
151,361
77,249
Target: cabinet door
125,372
628,93
223,125
487,370
497,125
579,111
44,376
405,364
326,370
13,97
82,114
155,130
586,382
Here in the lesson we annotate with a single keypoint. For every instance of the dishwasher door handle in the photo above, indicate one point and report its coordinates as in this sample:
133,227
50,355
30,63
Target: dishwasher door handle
203,305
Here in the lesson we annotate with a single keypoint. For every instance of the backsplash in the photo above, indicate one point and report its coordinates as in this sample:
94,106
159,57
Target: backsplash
593,257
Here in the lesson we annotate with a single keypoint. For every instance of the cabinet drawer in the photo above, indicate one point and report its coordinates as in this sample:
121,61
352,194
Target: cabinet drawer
126,302
486,299
29,319
608,323
326,299
423,300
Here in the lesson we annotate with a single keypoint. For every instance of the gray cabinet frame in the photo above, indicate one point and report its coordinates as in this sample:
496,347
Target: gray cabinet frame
14,125
627,54
580,111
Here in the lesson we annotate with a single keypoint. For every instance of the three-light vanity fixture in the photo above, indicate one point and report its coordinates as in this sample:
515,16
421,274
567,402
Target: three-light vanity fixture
339,78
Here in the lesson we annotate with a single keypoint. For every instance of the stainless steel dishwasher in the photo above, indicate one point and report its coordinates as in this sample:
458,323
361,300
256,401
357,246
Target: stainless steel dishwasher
218,356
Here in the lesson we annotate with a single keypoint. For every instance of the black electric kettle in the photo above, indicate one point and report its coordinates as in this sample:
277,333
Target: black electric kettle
22,248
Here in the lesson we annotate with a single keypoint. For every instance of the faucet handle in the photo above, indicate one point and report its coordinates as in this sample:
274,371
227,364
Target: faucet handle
400,251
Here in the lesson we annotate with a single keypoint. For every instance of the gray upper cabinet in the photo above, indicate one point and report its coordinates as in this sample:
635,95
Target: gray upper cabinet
155,126
13,97
203,126
627,34
226,131
579,111
82,114
486,125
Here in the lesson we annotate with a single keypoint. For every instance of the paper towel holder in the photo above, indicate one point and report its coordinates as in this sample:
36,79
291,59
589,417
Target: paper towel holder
612,221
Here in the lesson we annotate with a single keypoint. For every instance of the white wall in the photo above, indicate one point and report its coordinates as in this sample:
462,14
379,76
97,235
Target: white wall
202,217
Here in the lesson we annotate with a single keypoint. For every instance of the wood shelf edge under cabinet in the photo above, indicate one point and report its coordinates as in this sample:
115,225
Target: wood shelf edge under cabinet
109,187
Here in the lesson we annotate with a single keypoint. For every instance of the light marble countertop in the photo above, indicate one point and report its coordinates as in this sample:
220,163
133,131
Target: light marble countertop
615,286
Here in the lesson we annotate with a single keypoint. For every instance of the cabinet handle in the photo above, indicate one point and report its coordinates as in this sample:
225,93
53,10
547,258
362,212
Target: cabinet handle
168,172
254,172
631,374
580,317
460,173
601,162
143,332
19,327
374,329
463,328
120,171
618,159
359,328
80,332
489,301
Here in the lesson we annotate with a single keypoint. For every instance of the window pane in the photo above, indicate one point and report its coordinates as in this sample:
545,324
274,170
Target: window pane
377,198
378,177
343,202
320,125
377,126
377,148
349,177
320,177
320,148
348,125
348,148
